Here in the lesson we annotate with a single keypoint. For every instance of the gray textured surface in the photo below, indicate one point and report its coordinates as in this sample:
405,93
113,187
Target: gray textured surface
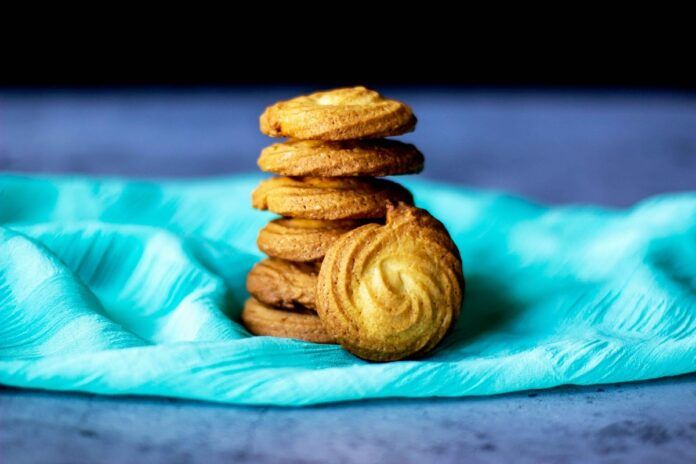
650,422
607,149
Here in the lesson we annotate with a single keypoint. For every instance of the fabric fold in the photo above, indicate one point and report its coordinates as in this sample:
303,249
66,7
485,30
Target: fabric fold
116,286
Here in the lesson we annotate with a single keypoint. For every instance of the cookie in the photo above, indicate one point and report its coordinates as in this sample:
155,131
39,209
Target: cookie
283,284
390,292
328,198
302,239
335,159
340,114
260,319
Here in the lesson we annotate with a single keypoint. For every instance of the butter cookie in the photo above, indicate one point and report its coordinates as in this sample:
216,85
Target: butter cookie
328,198
261,319
335,159
340,114
302,239
393,291
283,284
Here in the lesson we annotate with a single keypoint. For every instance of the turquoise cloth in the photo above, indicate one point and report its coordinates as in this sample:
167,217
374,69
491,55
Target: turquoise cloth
134,287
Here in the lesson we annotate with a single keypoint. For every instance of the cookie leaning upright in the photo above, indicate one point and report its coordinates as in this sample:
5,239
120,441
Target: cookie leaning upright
387,292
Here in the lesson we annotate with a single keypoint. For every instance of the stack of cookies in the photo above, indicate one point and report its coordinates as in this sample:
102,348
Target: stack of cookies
329,193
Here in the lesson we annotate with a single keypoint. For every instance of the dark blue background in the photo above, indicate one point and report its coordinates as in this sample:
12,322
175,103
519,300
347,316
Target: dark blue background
613,148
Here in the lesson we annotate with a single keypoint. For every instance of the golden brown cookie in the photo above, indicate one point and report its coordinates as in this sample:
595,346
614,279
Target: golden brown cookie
340,114
284,284
393,291
328,198
348,158
260,319
302,239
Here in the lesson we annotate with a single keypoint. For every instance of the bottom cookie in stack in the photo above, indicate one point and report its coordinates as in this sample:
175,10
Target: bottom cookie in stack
262,319
283,301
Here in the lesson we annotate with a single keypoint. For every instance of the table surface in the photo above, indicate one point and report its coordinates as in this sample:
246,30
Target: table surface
606,148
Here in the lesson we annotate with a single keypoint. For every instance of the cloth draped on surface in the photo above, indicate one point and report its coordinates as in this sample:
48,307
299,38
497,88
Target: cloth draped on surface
135,287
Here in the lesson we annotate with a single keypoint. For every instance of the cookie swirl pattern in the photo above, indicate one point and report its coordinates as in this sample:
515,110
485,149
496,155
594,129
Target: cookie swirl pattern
393,291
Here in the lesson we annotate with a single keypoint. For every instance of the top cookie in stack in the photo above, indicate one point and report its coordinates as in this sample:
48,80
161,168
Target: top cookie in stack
325,186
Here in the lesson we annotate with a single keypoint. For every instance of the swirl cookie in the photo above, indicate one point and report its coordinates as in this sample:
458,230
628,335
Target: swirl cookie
328,198
335,159
302,239
393,291
341,114
283,284
260,319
